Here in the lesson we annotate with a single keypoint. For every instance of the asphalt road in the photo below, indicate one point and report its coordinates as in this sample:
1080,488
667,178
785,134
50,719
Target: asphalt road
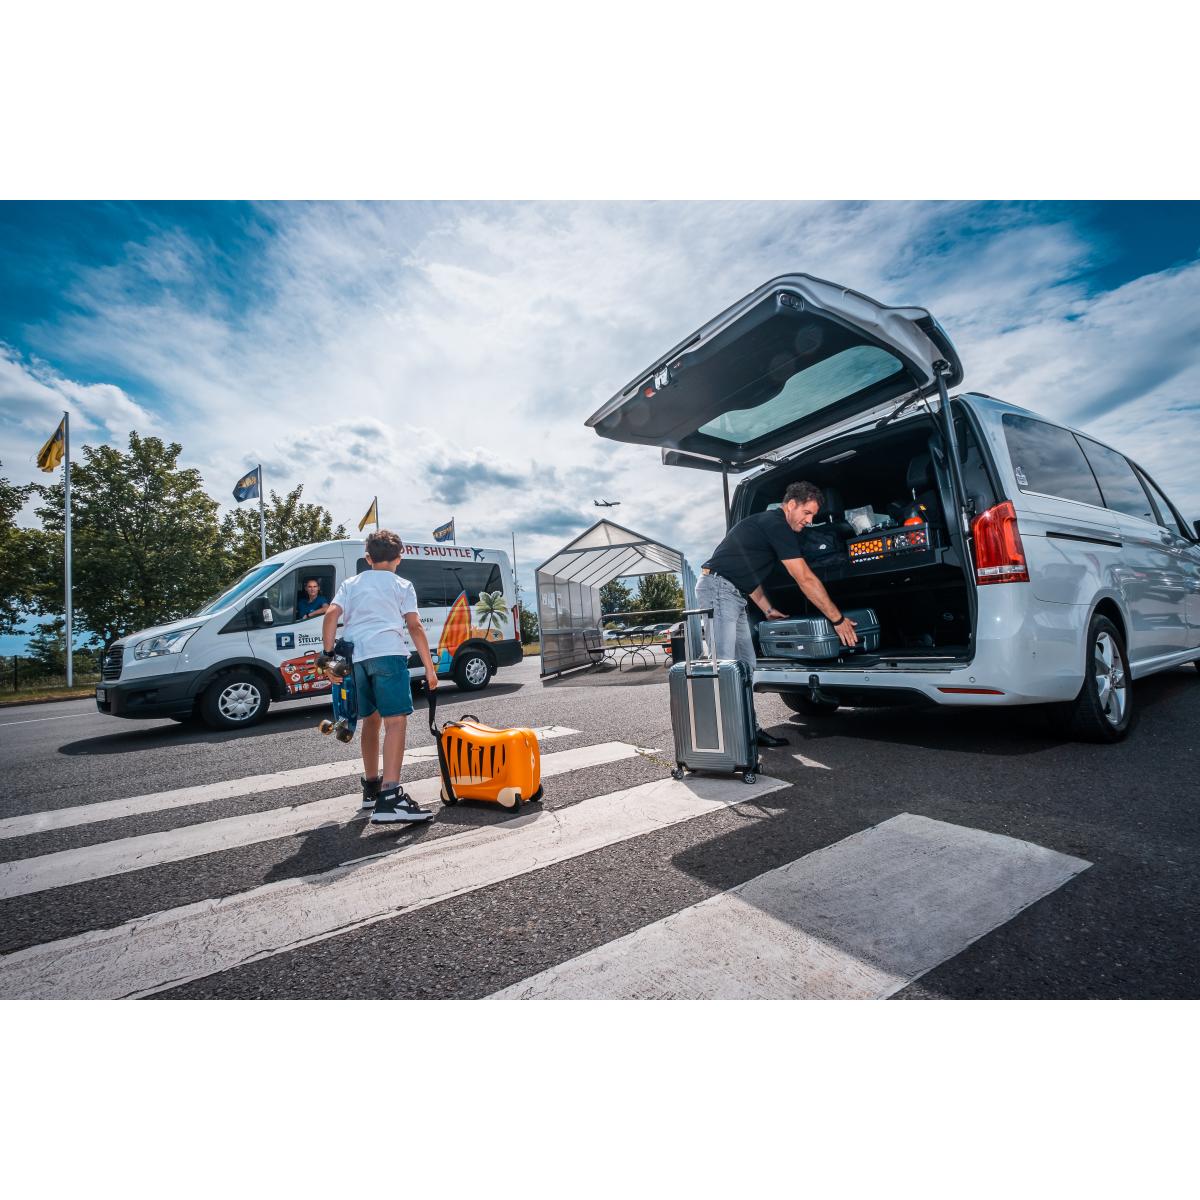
1122,927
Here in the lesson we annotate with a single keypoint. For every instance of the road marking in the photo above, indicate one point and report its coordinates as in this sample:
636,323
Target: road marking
174,947
856,920
35,720
23,877
113,810
805,761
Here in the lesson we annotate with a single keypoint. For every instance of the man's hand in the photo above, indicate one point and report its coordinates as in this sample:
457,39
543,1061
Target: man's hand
431,680
845,631
773,614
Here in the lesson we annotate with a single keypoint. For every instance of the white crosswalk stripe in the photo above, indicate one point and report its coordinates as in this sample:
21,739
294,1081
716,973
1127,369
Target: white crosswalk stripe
857,920
24,876
170,948
861,918
205,793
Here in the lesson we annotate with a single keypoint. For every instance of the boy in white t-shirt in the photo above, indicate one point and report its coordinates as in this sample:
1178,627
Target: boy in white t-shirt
381,620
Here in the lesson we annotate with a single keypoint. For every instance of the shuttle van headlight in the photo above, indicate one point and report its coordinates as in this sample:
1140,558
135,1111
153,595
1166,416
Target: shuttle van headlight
164,643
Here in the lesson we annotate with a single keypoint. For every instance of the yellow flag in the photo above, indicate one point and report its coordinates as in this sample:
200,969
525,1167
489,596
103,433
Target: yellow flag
51,454
372,516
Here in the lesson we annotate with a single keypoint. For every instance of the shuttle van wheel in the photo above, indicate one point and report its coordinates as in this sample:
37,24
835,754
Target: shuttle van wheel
235,701
473,671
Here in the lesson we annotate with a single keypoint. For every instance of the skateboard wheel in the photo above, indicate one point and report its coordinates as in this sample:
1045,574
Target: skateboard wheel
326,727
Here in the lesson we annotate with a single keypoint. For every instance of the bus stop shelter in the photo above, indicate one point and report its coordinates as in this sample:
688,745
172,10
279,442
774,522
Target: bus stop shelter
569,583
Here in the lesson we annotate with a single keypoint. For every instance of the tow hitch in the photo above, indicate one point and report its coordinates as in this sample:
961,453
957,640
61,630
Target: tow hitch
814,691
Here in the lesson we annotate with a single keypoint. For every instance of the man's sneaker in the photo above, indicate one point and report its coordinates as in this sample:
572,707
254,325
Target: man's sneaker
396,805
370,792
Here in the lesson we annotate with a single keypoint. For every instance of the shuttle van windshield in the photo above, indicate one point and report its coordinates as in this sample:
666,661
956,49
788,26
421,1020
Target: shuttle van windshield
247,583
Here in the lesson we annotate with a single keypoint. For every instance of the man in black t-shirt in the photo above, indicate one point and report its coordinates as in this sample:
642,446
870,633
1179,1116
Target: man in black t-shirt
741,563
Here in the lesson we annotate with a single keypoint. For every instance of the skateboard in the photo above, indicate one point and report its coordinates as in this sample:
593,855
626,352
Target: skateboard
339,666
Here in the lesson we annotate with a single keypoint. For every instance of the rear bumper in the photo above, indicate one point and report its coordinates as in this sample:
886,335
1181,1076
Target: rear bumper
1026,652
153,696
508,653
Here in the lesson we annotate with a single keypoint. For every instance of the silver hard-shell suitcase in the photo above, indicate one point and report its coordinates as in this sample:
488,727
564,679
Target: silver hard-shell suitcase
814,637
712,713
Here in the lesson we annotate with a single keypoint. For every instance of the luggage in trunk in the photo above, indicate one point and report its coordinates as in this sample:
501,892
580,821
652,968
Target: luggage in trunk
712,714
815,638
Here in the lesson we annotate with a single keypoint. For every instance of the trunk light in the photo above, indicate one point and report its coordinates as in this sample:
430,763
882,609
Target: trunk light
999,554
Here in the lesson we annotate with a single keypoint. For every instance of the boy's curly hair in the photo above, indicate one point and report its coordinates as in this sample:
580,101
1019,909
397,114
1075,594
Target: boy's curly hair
384,546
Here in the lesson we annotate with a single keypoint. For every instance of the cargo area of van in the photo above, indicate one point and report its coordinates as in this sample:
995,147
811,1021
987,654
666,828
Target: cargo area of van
923,597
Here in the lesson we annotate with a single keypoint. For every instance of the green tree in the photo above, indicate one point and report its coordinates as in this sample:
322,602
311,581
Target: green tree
615,597
146,541
658,592
290,523
47,652
20,552
529,626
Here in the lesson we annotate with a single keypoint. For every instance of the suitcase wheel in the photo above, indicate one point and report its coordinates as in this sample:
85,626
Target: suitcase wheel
749,777
678,773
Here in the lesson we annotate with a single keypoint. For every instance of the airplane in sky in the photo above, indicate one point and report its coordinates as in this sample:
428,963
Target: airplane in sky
606,503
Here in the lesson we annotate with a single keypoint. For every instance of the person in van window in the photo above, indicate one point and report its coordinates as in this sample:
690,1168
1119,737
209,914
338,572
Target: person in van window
741,563
381,620
312,603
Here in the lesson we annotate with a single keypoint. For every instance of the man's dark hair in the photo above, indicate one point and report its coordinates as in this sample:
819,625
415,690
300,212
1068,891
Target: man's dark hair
802,492
384,546
312,579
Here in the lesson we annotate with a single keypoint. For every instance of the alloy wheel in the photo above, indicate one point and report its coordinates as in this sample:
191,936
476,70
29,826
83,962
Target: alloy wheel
1109,671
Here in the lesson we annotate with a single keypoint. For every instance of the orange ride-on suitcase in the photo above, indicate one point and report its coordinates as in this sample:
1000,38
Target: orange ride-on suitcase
478,762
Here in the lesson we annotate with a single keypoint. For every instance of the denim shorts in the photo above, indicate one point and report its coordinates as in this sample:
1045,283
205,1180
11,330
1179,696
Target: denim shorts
383,685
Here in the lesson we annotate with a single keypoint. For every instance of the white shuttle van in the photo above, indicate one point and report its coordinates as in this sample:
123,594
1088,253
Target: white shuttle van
1051,569
246,647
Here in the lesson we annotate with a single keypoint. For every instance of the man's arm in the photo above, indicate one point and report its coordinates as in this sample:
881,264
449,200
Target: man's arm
814,589
769,610
417,632
329,628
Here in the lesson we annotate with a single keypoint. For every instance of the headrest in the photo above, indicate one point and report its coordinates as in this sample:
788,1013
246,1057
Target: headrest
920,473
834,505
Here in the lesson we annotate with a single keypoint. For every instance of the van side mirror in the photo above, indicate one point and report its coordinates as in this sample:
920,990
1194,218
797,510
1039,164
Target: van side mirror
1196,526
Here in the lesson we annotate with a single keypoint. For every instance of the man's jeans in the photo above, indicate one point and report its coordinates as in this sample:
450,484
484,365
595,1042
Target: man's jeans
727,631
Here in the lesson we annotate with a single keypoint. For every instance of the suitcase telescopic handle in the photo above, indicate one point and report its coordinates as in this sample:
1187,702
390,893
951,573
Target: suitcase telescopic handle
431,699
687,632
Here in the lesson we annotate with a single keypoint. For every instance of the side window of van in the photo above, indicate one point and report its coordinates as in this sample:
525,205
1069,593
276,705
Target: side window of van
1122,489
472,578
284,595
1167,516
1046,458
427,578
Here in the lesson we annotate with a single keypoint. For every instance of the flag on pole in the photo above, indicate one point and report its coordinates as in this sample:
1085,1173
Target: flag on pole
248,486
372,517
51,454
444,533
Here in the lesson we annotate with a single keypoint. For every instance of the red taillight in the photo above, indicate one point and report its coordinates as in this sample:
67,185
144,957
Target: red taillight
999,555
517,621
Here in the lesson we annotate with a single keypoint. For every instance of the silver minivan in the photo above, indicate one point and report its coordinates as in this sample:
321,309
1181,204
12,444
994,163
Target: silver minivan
1044,567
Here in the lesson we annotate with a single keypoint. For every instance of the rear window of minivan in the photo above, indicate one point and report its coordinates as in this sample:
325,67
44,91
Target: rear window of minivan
1046,458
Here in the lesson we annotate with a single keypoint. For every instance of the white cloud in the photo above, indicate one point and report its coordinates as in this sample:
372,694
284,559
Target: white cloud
396,349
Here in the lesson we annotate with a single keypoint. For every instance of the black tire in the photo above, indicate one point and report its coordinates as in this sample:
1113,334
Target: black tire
803,703
235,701
1104,710
473,671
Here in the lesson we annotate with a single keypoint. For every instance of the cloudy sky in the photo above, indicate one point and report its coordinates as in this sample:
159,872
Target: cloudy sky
446,355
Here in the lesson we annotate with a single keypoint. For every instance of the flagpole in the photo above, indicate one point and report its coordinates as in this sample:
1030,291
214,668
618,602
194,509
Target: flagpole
262,515
67,548
375,502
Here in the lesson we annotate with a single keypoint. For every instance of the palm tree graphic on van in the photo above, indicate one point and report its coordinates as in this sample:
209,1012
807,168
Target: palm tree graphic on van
490,612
